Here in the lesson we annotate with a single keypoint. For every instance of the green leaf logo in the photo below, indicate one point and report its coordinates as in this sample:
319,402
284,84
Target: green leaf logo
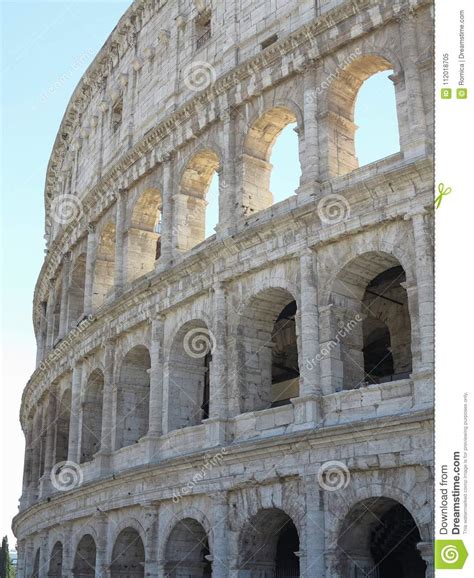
450,554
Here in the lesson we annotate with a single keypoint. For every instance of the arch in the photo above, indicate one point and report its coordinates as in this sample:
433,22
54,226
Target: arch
56,560
104,269
257,149
85,557
76,291
191,200
187,550
190,361
268,350
133,397
36,564
62,427
92,415
57,312
128,555
368,328
380,535
269,545
350,75
144,234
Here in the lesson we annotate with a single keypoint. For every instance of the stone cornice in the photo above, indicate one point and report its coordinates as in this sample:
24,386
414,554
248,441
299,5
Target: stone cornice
60,505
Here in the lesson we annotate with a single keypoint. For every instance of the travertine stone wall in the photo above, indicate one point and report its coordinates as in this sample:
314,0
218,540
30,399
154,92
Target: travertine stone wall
155,442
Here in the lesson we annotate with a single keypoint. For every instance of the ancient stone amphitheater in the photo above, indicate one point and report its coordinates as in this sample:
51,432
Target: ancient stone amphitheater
256,403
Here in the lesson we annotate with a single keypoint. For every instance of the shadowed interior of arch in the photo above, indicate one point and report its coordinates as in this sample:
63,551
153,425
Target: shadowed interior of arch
379,537
85,558
92,416
269,546
128,555
187,551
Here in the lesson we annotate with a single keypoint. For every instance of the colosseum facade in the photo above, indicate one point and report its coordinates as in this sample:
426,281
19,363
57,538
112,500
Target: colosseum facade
256,403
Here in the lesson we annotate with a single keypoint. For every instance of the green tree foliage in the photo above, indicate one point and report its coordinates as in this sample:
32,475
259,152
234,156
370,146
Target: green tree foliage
6,567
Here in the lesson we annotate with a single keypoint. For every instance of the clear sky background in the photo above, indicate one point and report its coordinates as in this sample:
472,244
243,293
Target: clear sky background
46,47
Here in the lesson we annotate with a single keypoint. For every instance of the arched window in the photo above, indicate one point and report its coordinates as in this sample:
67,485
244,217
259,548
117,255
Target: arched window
377,134
189,376
92,415
57,312
85,558
144,234
264,183
36,564
187,551
104,269
376,112
133,397
269,543
76,291
269,351
56,561
379,538
192,201
370,339
62,427
128,555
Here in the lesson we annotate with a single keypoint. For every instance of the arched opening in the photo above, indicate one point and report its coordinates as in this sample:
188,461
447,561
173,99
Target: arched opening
194,220
270,546
92,415
144,235
133,397
85,558
187,551
377,135
57,312
379,538
260,142
36,565
128,555
369,330
56,561
62,427
104,269
189,376
269,351
76,291
373,118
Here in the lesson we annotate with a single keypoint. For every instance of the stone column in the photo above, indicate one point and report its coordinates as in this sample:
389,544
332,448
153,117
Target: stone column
103,456
63,313
27,464
102,569
167,216
36,456
314,543
151,540
229,212
119,280
44,556
426,552
21,571
42,331
416,146
156,376
73,448
68,554
90,264
310,152
218,406
50,314
220,553
307,405
50,424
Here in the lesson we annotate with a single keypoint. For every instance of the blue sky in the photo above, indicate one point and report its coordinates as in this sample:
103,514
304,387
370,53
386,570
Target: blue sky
46,46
